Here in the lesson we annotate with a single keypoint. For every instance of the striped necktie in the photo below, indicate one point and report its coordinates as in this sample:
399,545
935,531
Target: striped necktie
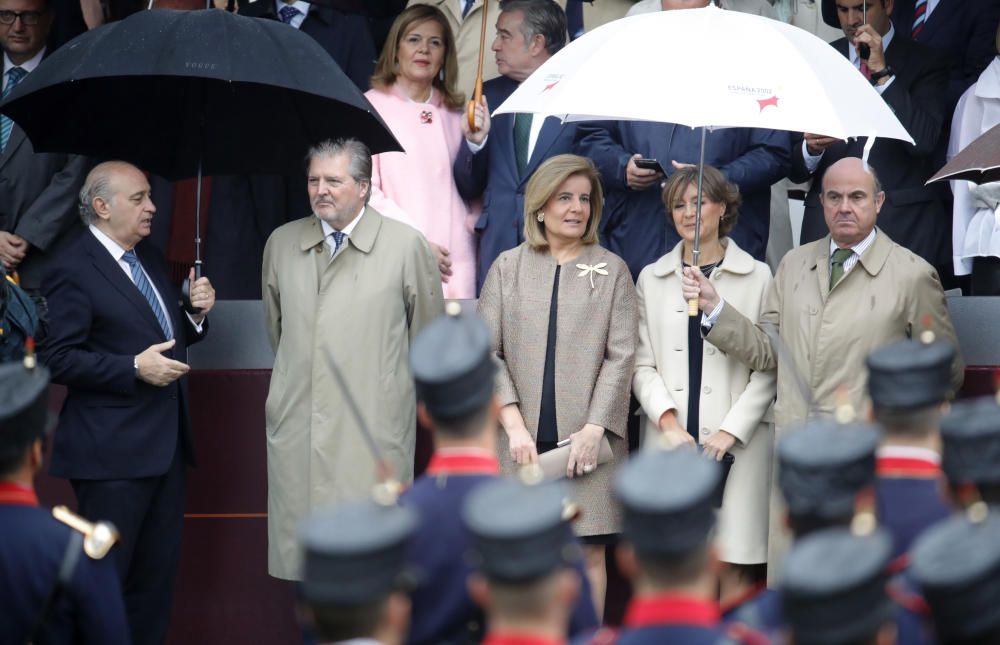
919,18
467,7
14,77
146,289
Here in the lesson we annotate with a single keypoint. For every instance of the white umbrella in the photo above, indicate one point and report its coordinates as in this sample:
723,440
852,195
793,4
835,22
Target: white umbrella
707,67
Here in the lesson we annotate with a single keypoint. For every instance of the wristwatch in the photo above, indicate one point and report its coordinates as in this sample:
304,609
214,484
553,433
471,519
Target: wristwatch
879,75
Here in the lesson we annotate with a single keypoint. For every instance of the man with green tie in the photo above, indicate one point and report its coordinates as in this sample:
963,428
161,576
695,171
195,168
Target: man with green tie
832,302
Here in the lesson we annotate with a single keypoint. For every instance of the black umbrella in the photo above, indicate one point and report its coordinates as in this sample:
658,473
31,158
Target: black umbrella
978,162
181,93
167,89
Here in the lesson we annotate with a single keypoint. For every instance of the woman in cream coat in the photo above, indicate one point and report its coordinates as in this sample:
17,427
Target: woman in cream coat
729,410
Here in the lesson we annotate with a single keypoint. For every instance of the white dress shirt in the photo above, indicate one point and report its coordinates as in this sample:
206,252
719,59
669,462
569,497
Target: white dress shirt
328,231
858,249
28,65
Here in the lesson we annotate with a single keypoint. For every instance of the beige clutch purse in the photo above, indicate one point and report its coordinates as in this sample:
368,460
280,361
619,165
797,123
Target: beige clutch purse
554,462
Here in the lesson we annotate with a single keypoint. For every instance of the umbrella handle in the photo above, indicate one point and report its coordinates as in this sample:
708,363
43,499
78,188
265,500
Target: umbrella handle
477,96
692,307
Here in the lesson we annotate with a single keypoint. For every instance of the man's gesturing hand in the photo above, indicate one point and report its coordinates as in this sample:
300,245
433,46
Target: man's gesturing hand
157,369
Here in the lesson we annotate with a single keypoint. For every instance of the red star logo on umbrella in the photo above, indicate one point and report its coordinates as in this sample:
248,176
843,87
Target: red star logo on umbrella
763,103
550,86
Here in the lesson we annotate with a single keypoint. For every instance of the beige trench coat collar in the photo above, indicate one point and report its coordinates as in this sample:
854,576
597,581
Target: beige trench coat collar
872,260
735,260
362,237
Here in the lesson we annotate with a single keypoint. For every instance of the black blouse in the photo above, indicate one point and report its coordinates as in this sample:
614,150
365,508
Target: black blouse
548,431
695,346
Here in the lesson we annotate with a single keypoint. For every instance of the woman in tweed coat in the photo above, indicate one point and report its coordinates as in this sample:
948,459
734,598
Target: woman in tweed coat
562,311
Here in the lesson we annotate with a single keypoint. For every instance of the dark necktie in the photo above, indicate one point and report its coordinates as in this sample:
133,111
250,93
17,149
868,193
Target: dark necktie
919,18
837,265
14,76
467,7
522,134
338,241
287,14
146,289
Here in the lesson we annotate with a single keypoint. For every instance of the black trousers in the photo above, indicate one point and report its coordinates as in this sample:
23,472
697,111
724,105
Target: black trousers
149,516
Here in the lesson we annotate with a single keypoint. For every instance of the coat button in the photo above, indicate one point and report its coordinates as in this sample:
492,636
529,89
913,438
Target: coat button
813,311
705,431
710,351
706,390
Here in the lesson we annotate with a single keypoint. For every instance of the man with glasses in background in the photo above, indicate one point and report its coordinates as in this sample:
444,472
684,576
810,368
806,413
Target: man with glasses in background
38,191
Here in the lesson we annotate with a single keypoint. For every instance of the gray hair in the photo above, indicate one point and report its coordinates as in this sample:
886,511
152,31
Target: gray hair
360,164
541,17
98,184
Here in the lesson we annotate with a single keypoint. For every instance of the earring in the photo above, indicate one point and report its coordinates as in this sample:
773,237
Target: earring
540,216
441,74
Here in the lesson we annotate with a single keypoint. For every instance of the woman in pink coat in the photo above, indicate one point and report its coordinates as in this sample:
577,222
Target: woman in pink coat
413,90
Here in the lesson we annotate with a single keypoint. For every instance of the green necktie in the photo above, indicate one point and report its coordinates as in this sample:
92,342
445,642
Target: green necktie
837,265
522,133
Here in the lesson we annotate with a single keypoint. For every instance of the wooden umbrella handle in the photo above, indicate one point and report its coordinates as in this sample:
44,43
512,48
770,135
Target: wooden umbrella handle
477,95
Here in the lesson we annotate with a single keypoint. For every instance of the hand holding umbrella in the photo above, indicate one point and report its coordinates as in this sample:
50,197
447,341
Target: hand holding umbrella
477,95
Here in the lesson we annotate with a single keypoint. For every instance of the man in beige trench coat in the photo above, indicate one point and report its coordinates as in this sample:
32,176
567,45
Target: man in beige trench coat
350,283
833,302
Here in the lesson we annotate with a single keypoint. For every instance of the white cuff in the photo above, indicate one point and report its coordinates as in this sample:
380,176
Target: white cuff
476,147
811,161
881,88
708,320
197,326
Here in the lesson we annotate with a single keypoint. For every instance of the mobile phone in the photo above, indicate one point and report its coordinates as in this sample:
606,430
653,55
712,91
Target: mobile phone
648,164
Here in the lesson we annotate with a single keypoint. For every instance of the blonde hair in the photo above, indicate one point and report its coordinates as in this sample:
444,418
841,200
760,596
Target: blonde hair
543,185
386,70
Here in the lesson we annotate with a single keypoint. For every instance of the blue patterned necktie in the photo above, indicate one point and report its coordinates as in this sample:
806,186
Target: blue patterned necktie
14,77
146,289
338,240
288,14
467,7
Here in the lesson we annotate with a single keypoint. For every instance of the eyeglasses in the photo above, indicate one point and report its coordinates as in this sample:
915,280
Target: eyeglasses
27,17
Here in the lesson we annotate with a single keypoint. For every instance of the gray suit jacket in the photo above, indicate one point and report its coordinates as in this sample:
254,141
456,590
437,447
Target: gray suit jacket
38,201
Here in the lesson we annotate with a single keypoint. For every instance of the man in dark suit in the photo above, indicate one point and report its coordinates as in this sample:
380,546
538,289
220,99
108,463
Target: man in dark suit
344,36
636,225
913,81
498,159
117,341
37,191
963,30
